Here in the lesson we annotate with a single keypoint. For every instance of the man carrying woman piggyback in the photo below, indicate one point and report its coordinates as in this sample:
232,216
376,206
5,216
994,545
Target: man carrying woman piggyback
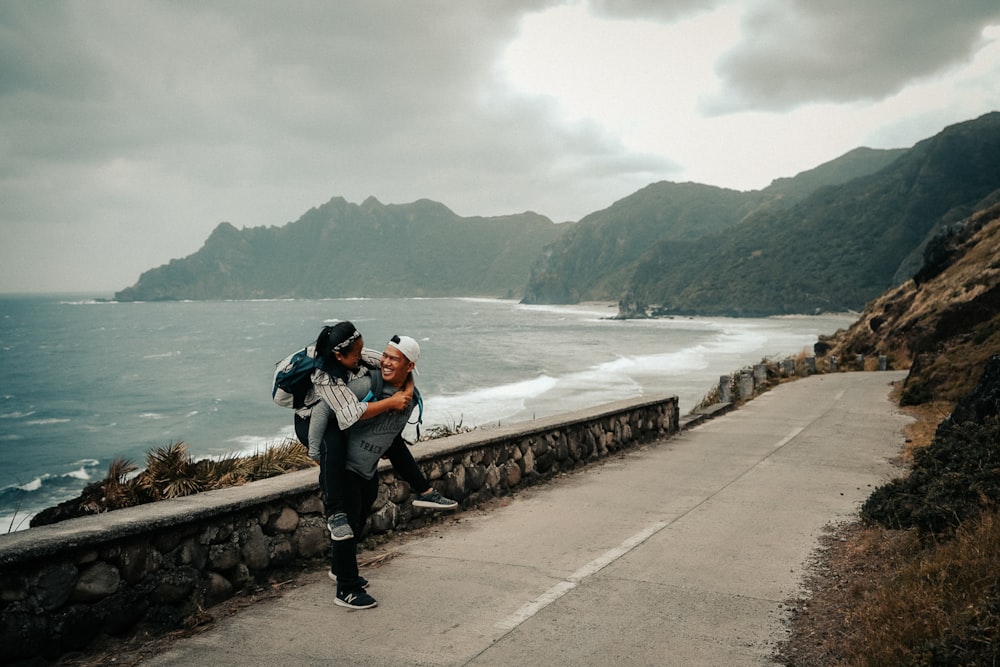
370,395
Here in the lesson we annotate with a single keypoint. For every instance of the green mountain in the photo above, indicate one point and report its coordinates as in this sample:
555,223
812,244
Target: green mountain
597,259
828,239
342,249
858,162
834,250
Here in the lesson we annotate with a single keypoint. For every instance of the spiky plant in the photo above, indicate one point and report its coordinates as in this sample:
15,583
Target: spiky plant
222,472
170,473
116,489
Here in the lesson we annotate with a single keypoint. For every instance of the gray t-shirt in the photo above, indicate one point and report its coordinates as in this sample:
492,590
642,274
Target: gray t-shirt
369,439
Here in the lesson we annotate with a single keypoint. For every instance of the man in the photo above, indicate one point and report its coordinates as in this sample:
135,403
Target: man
368,441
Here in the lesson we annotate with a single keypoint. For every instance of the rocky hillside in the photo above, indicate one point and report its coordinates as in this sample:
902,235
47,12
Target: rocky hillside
945,323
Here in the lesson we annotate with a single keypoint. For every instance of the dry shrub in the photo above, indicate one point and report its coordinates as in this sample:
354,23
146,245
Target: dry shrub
882,598
927,416
171,473
275,460
826,626
116,490
941,607
800,362
951,480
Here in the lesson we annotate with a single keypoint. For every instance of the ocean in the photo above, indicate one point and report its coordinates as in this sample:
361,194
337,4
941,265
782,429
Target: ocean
85,381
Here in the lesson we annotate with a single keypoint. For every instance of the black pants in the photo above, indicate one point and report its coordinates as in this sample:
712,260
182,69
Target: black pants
301,425
406,466
332,461
358,497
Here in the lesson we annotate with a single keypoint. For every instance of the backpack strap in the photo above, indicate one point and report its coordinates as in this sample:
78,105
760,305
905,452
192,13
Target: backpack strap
375,392
420,411
420,404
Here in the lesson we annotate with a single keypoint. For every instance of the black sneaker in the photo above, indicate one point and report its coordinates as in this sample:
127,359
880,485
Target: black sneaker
434,500
355,599
339,528
361,580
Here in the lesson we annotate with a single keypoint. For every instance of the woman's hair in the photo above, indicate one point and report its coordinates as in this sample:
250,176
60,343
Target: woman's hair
336,338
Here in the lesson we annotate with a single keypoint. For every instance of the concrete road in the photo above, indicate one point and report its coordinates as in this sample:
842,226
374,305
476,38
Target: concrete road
681,553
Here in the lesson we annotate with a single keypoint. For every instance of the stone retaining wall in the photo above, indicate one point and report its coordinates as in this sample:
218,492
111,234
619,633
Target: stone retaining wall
746,383
158,566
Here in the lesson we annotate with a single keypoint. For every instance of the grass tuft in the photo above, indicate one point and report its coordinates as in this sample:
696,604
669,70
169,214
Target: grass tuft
171,473
940,607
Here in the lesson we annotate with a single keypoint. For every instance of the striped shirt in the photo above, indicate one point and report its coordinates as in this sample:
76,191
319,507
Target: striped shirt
334,392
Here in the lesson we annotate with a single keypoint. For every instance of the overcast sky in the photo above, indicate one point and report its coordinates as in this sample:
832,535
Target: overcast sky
131,128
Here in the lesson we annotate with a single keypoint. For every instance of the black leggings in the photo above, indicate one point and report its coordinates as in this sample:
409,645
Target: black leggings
332,466
358,496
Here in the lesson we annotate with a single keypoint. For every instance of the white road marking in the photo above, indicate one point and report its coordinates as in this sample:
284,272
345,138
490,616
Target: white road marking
565,586
788,438
598,564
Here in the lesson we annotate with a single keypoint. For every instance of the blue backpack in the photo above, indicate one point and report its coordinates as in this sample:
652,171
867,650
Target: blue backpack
293,377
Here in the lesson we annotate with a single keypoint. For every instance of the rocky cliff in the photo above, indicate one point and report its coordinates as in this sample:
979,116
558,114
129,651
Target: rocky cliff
945,324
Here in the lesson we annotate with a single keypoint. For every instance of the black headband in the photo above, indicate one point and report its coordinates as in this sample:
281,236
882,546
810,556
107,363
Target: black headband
343,345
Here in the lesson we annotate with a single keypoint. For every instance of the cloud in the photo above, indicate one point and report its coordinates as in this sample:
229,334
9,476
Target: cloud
138,126
227,92
655,10
131,128
798,52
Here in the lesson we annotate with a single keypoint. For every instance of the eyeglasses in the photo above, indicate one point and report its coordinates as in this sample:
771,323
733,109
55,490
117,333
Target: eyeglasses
394,339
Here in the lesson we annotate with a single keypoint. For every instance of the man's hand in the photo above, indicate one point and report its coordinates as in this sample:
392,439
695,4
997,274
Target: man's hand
399,401
409,386
407,392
